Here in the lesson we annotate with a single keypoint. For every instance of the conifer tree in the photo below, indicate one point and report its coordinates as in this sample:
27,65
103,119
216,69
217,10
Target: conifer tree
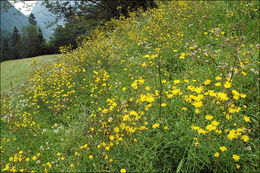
15,40
32,19
5,49
40,43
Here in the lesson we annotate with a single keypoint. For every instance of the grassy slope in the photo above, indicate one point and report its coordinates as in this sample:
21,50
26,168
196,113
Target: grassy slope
18,71
99,107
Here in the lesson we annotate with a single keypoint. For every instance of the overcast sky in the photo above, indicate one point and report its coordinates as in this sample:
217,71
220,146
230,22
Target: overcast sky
24,7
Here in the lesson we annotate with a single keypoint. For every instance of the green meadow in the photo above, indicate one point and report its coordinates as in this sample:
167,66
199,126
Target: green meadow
17,71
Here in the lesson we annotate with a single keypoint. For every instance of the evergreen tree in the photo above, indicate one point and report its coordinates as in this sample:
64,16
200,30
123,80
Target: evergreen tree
15,40
40,45
40,36
32,42
5,49
29,41
32,19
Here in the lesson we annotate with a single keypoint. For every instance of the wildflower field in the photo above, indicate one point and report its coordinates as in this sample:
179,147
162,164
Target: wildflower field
172,89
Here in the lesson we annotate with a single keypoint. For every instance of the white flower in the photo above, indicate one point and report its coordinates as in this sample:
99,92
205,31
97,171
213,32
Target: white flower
41,148
110,119
56,131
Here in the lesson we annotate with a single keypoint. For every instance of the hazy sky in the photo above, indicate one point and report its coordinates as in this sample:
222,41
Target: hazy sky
24,7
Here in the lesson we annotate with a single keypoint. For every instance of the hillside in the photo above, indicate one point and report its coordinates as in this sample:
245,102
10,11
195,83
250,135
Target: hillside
172,89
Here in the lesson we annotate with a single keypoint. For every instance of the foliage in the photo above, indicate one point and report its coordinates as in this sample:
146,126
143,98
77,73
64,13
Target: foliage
91,9
170,89
64,36
83,16
72,33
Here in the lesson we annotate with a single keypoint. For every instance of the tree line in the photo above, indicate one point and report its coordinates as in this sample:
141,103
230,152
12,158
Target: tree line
80,18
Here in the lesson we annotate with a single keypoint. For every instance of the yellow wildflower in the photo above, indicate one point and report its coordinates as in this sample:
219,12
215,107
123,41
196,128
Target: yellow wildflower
209,117
116,129
147,88
163,104
235,157
34,158
217,84
49,164
144,64
215,123
223,148
197,104
245,138
246,118
156,125
227,84
216,154
111,137
207,82
182,56
176,81
123,171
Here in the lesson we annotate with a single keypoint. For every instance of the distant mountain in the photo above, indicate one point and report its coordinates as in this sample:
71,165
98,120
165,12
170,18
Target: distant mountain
10,18
13,17
44,18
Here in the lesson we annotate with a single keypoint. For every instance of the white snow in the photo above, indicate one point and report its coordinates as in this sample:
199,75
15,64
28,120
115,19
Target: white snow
23,6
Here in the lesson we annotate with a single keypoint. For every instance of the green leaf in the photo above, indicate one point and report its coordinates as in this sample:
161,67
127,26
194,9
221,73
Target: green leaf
180,165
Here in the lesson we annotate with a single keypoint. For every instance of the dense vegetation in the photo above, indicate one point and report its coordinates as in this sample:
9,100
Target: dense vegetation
171,89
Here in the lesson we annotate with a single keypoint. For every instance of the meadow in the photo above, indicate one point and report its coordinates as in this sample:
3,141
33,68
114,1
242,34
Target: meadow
17,71
172,89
